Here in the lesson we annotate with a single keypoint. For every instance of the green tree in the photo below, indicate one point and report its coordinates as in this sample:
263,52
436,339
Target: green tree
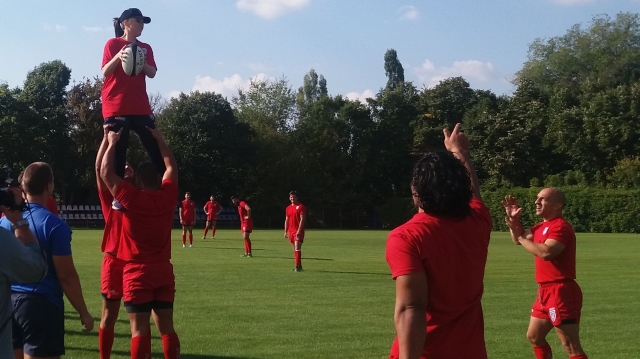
393,69
213,149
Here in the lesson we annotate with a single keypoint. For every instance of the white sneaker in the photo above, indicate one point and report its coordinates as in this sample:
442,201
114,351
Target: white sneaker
116,205
183,246
191,246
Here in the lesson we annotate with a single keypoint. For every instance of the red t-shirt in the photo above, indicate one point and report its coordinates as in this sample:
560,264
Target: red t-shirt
112,224
188,210
52,206
146,222
294,211
453,255
123,94
212,208
564,265
242,211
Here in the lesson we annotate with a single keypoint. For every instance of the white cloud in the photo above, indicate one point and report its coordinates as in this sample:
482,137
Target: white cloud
270,9
227,87
410,13
96,29
471,70
54,27
360,96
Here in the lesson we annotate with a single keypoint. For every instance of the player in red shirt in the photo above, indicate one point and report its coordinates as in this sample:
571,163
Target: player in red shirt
112,266
125,103
438,259
212,209
246,224
145,245
295,221
187,218
559,300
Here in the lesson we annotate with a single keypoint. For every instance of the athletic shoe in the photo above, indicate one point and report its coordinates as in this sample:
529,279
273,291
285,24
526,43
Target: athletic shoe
191,246
244,255
249,255
183,246
116,205
203,238
297,269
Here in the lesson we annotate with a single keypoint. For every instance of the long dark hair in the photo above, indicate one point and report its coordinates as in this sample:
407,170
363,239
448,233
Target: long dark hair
117,26
442,185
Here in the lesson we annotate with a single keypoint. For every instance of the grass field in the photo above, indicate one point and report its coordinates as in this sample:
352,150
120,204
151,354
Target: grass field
341,306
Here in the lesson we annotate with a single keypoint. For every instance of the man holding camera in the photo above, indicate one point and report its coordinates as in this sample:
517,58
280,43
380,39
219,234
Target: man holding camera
20,261
38,308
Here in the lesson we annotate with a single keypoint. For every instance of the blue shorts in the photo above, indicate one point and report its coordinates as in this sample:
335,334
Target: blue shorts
38,325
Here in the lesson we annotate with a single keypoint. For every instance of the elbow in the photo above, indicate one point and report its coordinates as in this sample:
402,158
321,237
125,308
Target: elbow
546,256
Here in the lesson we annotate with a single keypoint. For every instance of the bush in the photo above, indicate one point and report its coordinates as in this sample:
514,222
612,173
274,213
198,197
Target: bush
587,209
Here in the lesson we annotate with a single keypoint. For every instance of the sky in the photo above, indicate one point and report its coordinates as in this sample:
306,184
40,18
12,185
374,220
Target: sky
220,45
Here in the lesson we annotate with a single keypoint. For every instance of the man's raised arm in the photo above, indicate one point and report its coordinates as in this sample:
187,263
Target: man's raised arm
167,156
457,143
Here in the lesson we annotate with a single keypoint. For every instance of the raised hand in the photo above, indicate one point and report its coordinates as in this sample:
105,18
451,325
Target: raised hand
511,207
114,137
456,141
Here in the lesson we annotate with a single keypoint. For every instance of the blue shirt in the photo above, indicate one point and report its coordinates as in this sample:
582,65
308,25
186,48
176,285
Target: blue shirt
54,236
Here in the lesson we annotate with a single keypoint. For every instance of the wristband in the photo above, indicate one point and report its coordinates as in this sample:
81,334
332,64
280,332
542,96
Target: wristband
20,223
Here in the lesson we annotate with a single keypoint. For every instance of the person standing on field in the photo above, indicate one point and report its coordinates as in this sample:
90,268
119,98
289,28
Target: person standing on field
246,224
558,302
212,209
148,280
438,259
187,218
294,224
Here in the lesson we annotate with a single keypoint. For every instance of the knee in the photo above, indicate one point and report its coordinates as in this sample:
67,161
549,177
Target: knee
535,338
571,347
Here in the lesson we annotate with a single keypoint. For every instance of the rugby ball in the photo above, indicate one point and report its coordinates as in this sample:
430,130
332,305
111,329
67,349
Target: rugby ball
133,63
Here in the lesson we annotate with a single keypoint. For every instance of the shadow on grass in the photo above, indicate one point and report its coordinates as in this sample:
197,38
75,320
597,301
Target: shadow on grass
182,355
75,316
344,272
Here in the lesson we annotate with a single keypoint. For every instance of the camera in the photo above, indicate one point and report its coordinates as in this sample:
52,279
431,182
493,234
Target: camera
6,196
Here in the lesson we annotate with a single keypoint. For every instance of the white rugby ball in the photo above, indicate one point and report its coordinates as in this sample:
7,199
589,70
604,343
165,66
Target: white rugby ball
134,61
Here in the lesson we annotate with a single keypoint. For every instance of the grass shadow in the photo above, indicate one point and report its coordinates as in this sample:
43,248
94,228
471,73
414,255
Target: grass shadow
154,354
360,273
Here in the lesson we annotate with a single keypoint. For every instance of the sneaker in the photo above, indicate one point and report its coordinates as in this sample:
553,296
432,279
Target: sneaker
298,269
204,238
191,246
183,246
244,255
116,205
249,255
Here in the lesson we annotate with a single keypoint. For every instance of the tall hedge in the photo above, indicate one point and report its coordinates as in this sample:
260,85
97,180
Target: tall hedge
588,209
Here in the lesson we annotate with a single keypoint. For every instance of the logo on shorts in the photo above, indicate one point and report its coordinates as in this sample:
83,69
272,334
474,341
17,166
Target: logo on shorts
545,231
552,314
119,118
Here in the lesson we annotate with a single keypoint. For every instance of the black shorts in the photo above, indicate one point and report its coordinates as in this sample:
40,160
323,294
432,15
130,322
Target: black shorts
38,325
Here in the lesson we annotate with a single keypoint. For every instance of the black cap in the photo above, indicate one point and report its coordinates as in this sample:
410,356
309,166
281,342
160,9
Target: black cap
133,12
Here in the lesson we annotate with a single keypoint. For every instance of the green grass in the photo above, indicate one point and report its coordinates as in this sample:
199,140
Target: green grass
341,306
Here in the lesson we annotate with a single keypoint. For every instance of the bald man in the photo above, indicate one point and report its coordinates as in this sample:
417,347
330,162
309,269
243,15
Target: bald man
559,299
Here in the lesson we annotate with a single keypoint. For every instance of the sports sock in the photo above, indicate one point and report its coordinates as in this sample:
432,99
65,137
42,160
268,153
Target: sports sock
205,232
184,239
213,232
171,346
141,347
543,352
298,256
190,238
105,342
579,356
247,246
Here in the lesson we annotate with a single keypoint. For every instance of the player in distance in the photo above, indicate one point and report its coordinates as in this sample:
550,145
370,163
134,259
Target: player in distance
295,221
246,224
187,215
212,209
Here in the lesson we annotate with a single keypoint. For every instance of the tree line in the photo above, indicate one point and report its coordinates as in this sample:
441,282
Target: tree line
572,120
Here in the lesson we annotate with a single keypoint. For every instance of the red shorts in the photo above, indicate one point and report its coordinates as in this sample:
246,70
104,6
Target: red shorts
147,282
111,277
295,237
212,218
188,222
246,227
559,302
